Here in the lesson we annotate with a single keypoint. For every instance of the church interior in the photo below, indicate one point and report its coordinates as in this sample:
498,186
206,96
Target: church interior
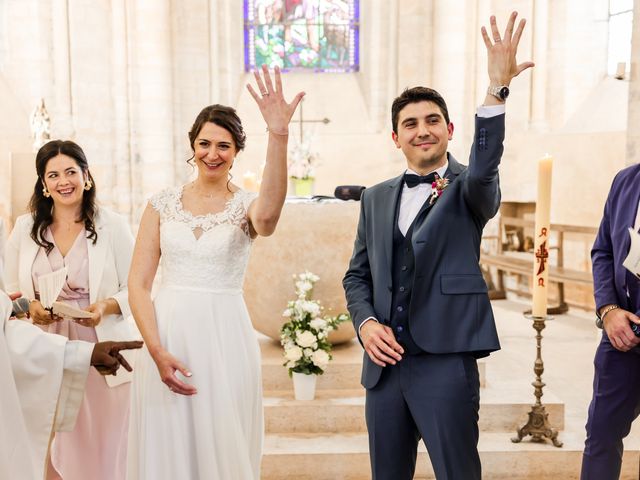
125,79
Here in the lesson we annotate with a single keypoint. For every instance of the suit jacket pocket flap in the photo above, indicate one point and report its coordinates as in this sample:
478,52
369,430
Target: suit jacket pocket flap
462,284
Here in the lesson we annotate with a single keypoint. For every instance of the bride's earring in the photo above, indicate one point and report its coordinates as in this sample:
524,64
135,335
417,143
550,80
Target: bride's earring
45,192
88,185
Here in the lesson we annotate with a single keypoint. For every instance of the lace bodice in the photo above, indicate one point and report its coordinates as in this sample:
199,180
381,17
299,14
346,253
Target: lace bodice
217,259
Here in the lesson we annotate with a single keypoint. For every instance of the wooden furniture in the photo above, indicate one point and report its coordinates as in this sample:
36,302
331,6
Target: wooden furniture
521,263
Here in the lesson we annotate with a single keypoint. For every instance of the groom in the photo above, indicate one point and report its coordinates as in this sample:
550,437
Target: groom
414,287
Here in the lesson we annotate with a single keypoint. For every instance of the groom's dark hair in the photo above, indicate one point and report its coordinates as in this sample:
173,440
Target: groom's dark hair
415,95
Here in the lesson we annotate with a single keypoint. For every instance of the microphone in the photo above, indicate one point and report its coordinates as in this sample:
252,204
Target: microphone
20,307
349,192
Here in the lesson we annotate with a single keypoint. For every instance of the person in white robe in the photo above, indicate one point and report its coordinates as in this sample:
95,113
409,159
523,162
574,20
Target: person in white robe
43,377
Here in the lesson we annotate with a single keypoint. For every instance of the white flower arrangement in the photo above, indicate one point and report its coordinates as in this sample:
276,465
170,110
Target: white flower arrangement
305,336
302,161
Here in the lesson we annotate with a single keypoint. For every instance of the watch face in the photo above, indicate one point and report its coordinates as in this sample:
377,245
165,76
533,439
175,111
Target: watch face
504,93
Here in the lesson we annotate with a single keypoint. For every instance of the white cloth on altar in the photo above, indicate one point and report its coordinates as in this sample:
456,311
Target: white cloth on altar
43,377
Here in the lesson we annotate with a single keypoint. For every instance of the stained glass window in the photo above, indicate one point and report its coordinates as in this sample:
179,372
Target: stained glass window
316,35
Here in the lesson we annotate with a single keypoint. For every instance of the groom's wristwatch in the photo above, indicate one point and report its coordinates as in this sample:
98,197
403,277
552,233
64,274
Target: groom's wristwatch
501,92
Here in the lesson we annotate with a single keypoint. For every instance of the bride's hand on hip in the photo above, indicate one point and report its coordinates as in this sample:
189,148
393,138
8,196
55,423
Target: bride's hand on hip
275,110
167,366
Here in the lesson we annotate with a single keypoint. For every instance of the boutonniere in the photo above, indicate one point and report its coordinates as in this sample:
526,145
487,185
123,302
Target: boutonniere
437,187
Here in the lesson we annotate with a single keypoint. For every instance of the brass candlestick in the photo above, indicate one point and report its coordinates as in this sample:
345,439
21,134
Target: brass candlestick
538,425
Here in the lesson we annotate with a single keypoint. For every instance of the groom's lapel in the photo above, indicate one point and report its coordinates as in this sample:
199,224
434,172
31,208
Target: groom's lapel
388,210
453,170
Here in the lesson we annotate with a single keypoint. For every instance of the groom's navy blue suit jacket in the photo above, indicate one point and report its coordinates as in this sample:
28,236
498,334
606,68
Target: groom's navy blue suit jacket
450,310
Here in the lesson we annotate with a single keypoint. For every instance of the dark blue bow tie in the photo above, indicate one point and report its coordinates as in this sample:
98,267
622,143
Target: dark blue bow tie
413,180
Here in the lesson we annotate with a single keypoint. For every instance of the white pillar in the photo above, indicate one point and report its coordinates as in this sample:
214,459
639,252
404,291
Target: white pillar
633,121
540,37
62,113
152,98
122,196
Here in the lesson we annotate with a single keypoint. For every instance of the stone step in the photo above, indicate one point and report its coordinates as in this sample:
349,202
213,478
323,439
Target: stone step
503,408
343,372
345,457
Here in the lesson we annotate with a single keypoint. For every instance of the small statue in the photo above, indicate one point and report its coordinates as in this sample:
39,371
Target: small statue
40,126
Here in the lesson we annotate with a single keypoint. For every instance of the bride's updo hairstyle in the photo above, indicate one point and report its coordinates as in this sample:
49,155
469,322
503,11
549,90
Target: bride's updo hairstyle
223,116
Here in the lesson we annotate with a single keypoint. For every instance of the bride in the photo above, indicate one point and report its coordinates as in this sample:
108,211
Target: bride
196,394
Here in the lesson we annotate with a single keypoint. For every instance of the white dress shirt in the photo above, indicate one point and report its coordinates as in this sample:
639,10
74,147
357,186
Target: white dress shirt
412,199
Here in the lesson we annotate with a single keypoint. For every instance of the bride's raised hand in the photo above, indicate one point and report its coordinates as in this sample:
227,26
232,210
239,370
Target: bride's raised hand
275,110
167,366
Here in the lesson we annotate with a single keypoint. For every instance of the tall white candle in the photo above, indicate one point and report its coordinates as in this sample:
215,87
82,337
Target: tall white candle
541,238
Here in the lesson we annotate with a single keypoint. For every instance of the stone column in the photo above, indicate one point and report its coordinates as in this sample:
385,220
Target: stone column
62,113
152,99
455,43
633,119
540,36
414,36
122,199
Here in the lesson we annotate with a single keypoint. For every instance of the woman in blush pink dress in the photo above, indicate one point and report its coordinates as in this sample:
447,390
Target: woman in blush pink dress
66,229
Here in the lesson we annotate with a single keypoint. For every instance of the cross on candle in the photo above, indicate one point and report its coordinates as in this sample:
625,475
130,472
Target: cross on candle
542,255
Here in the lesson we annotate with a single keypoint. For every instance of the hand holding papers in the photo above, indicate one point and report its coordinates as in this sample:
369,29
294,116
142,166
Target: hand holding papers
50,286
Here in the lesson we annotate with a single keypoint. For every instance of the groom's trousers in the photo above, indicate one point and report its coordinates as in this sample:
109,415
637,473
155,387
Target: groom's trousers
430,396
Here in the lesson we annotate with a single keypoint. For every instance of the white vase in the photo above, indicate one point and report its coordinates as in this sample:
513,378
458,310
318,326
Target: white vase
304,386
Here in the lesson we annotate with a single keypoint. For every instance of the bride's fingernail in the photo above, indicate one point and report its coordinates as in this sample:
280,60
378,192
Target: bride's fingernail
189,374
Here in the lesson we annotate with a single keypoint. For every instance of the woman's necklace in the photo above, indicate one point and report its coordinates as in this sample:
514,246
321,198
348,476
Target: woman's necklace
210,196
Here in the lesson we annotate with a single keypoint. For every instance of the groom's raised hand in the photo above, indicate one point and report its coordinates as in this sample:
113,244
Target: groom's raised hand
380,344
502,65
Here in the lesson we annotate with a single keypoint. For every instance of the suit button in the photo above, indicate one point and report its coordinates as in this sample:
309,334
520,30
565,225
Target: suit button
404,268
400,308
402,289
399,329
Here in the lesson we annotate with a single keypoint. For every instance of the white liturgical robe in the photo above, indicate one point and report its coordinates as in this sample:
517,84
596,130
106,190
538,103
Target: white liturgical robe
43,379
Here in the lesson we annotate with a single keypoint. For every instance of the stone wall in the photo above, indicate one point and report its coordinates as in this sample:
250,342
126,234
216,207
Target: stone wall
126,79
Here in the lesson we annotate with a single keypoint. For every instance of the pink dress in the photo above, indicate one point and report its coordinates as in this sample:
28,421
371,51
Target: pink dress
96,449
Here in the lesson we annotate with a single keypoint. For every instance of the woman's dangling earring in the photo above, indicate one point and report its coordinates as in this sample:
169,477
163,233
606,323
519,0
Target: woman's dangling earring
45,192
88,185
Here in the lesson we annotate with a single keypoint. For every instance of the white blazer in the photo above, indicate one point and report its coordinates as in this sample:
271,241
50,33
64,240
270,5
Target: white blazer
109,261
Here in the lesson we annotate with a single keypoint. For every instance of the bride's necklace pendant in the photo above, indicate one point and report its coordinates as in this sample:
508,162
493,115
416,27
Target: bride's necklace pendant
202,194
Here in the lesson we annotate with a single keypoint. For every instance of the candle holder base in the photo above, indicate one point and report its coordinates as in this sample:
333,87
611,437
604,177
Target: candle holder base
538,427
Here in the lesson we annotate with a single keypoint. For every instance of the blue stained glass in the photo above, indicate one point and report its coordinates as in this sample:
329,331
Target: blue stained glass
315,35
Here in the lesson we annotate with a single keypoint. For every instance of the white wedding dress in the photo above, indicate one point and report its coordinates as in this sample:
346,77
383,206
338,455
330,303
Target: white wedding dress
202,320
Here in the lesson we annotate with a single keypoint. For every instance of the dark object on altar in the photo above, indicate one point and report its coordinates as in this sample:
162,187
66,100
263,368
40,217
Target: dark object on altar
349,192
